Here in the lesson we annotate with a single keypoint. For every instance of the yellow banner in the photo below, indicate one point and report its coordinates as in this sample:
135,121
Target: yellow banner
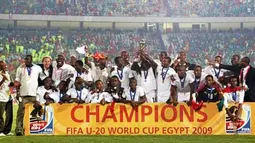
148,119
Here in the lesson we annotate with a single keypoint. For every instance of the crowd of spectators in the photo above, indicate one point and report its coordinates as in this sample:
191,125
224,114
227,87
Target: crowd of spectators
203,46
172,8
82,7
210,8
200,46
15,43
111,42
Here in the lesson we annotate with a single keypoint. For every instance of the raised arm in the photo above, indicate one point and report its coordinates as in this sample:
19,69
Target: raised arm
150,60
230,67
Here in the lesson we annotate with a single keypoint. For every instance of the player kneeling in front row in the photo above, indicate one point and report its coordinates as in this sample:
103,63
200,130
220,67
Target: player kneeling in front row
114,89
134,95
78,94
60,95
233,94
99,95
44,91
209,92
42,97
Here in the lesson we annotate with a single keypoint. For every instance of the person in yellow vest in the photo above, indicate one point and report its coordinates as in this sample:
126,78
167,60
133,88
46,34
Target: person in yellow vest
3,58
22,49
53,38
35,58
33,52
43,39
51,46
7,47
17,49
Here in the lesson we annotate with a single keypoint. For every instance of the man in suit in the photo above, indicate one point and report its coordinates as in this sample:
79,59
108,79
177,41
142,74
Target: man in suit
247,79
234,68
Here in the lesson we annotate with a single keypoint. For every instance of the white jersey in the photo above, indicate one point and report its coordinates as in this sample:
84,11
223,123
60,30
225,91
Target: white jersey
164,76
133,96
98,74
56,96
197,81
28,78
137,76
233,97
183,87
4,88
84,76
40,94
80,95
123,76
147,80
98,97
62,73
157,61
216,73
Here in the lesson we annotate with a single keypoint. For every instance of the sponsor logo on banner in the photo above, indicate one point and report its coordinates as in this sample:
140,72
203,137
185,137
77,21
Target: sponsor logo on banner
42,121
243,123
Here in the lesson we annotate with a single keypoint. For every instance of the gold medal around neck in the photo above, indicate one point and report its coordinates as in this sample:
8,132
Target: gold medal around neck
28,77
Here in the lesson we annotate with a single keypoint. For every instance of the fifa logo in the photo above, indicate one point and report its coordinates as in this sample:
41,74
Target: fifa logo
42,120
243,124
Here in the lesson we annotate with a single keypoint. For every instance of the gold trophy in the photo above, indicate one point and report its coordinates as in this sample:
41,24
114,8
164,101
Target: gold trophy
142,44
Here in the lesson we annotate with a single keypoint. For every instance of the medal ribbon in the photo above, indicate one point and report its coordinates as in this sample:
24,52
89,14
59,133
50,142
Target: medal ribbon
210,96
196,83
29,71
120,74
132,96
79,96
145,75
183,81
234,96
217,74
163,74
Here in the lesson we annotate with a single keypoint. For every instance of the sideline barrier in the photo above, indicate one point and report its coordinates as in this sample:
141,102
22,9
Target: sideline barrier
148,119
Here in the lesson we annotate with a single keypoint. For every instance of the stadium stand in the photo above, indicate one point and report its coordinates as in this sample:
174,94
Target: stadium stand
82,7
210,8
172,8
